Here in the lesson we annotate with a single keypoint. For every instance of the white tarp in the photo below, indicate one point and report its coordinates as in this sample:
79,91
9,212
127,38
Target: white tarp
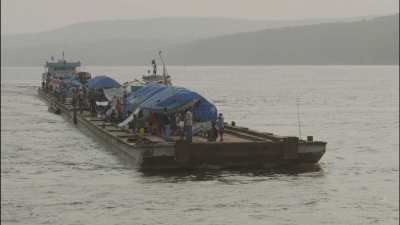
126,121
129,119
111,92
102,103
204,126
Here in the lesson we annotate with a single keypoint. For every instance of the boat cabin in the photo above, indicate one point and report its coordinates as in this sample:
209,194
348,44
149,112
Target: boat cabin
60,68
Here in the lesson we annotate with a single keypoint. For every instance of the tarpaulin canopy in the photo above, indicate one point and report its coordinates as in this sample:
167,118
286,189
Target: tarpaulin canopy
99,82
136,98
181,99
155,97
73,83
68,77
154,101
68,83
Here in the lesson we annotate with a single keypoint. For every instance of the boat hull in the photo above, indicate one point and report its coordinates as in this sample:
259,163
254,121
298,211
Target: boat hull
172,155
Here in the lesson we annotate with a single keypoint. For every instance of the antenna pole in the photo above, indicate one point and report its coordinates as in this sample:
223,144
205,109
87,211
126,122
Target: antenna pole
298,116
164,69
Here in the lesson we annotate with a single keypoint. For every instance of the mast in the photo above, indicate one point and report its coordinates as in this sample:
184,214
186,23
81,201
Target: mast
298,116
164,68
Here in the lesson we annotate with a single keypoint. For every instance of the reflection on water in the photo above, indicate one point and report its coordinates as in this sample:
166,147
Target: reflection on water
178,175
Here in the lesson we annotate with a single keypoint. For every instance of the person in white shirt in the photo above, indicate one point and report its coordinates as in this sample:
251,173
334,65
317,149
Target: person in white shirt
188,126
180,124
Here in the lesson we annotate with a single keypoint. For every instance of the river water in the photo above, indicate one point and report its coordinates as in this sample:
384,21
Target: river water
52,173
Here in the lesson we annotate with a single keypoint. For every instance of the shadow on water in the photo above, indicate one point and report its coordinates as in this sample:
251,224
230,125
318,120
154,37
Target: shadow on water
183,175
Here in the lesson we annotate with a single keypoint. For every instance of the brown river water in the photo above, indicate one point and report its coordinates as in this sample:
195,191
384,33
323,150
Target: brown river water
52,173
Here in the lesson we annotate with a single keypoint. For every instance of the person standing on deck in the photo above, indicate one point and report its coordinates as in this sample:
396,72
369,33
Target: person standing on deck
154,126
188,126
181,125
74,103
153,62
92,101
134,124
220,125
166,125
125,105
213,132
140,123
74,97
114,102
47,84
80,101
173,124
113,109
119,109
84,96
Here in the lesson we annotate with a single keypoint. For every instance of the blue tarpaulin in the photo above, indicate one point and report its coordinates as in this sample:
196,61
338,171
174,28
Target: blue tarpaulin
68,83
74,83
67,77
138,97
183,98
154,100
156,97
99,82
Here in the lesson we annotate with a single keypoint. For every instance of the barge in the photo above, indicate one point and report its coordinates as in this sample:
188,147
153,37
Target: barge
241,148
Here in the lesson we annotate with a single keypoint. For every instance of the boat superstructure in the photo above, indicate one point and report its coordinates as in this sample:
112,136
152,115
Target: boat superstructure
59,69
154,77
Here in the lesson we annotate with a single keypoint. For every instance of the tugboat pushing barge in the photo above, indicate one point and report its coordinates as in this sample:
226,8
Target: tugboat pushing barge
156,78
242,147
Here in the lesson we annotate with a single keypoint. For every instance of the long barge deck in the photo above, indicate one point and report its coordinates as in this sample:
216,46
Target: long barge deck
242,147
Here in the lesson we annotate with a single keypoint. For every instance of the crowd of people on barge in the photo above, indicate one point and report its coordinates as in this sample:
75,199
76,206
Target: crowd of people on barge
165,124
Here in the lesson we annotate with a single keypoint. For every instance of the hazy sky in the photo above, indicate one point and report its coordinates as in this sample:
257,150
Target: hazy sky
37,15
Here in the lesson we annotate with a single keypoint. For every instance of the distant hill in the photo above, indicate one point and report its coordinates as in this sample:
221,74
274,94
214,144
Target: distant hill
192,41
374,41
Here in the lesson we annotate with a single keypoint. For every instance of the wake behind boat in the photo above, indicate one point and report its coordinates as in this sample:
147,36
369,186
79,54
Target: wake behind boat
160,126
